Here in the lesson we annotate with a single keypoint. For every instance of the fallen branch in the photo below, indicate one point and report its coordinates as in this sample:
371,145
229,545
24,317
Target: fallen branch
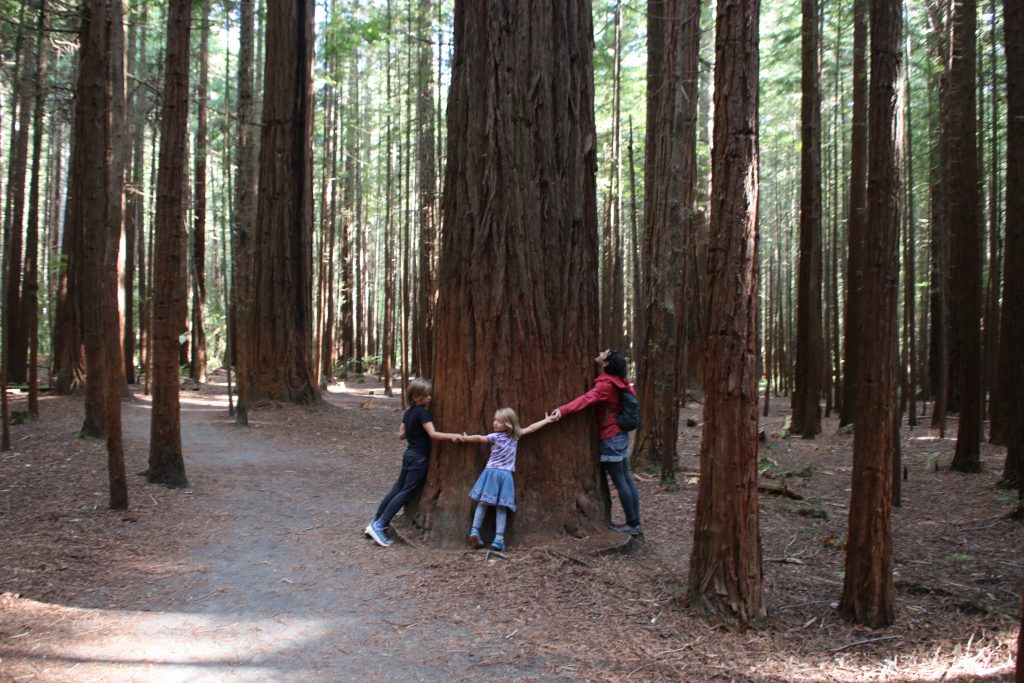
863,642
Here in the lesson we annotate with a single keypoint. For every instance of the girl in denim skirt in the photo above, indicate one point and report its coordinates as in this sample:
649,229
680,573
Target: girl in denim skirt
496,488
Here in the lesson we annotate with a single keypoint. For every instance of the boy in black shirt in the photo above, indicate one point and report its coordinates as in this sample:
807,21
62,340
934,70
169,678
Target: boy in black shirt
417,429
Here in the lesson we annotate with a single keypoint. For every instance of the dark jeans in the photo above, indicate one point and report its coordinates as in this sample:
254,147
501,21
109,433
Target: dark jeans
414,471
626,488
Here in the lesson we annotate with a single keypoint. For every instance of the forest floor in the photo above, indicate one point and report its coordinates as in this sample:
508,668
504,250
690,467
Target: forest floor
259,570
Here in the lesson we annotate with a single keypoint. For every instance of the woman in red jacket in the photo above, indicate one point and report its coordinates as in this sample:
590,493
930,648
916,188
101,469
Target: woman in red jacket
614,445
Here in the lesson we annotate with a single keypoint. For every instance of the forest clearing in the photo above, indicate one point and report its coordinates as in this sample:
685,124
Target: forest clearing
259,571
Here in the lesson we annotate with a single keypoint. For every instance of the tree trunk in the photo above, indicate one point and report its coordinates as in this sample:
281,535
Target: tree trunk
277,363
427,190
166,464
1011,360
519,262
725,577
673,159
198,366
965,228
30,293
14,218
857,211
868,584
809,375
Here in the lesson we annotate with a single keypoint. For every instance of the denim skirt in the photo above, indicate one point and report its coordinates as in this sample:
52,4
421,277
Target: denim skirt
495,487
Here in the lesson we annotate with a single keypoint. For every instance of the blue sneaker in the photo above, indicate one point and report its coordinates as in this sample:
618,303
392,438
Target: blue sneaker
621,528
379,536
474,539
498,545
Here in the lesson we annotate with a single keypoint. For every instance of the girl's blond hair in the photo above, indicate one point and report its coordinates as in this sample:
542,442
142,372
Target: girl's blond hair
509,417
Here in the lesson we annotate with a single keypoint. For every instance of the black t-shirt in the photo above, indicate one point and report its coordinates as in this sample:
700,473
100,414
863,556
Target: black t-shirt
415,435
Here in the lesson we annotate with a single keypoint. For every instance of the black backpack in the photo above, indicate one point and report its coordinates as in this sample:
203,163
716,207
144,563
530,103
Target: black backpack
629,411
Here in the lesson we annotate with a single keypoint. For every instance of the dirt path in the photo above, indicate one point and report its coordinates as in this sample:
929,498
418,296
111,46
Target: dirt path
276,584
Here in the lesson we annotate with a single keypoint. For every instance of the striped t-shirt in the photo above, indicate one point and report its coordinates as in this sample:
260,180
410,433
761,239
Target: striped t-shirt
503,451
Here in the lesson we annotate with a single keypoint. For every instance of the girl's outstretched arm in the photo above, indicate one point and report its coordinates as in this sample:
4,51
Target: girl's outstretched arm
474,438
548,418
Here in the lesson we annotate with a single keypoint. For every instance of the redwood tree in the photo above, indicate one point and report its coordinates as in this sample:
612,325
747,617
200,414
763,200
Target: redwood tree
965,227
517,316
868,584
277,329
809,372
166,464
1011,360
725,565
670,212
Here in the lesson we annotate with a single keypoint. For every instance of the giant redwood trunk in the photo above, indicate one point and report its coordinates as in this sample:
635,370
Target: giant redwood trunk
868,584
277,329
725,565
809,372
671,213
1011,360
166,464
965,227
517,316
426,178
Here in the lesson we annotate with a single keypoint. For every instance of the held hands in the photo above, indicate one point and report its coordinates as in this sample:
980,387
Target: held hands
555,415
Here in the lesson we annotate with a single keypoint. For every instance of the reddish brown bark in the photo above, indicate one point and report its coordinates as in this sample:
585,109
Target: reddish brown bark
166,463
868,584
725,566
965,226
857,211
809,371
278,327
198,365
669,225
517,316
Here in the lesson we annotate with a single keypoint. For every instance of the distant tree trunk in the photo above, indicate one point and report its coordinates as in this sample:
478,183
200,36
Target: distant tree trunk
330,216
198,366
868,584
857,211
30,293
725,577
166,464
964,217
1011,360
992,320
387,350
14,218
910,278
427,190
672,209
351,258
277,361
519,262
807,386
133,221
245,204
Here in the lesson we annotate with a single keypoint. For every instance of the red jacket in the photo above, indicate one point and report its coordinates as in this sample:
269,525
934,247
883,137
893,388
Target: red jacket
605,393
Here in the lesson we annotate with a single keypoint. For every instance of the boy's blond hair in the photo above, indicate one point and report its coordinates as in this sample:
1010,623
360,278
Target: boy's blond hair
509,417
418,388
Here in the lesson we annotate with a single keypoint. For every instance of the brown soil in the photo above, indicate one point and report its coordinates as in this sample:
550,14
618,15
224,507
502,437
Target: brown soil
259,570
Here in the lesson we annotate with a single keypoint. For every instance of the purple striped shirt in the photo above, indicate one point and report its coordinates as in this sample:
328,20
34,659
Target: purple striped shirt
503,451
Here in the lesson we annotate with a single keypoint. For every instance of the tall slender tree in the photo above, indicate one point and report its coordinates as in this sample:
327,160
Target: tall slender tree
198,260
965,227
809,373
277,330
725,566
868,584
519,262
166,463
857,210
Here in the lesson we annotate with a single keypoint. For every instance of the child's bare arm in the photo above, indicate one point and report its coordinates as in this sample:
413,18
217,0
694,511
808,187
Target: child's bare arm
428,427
401,432
548,419
474,438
